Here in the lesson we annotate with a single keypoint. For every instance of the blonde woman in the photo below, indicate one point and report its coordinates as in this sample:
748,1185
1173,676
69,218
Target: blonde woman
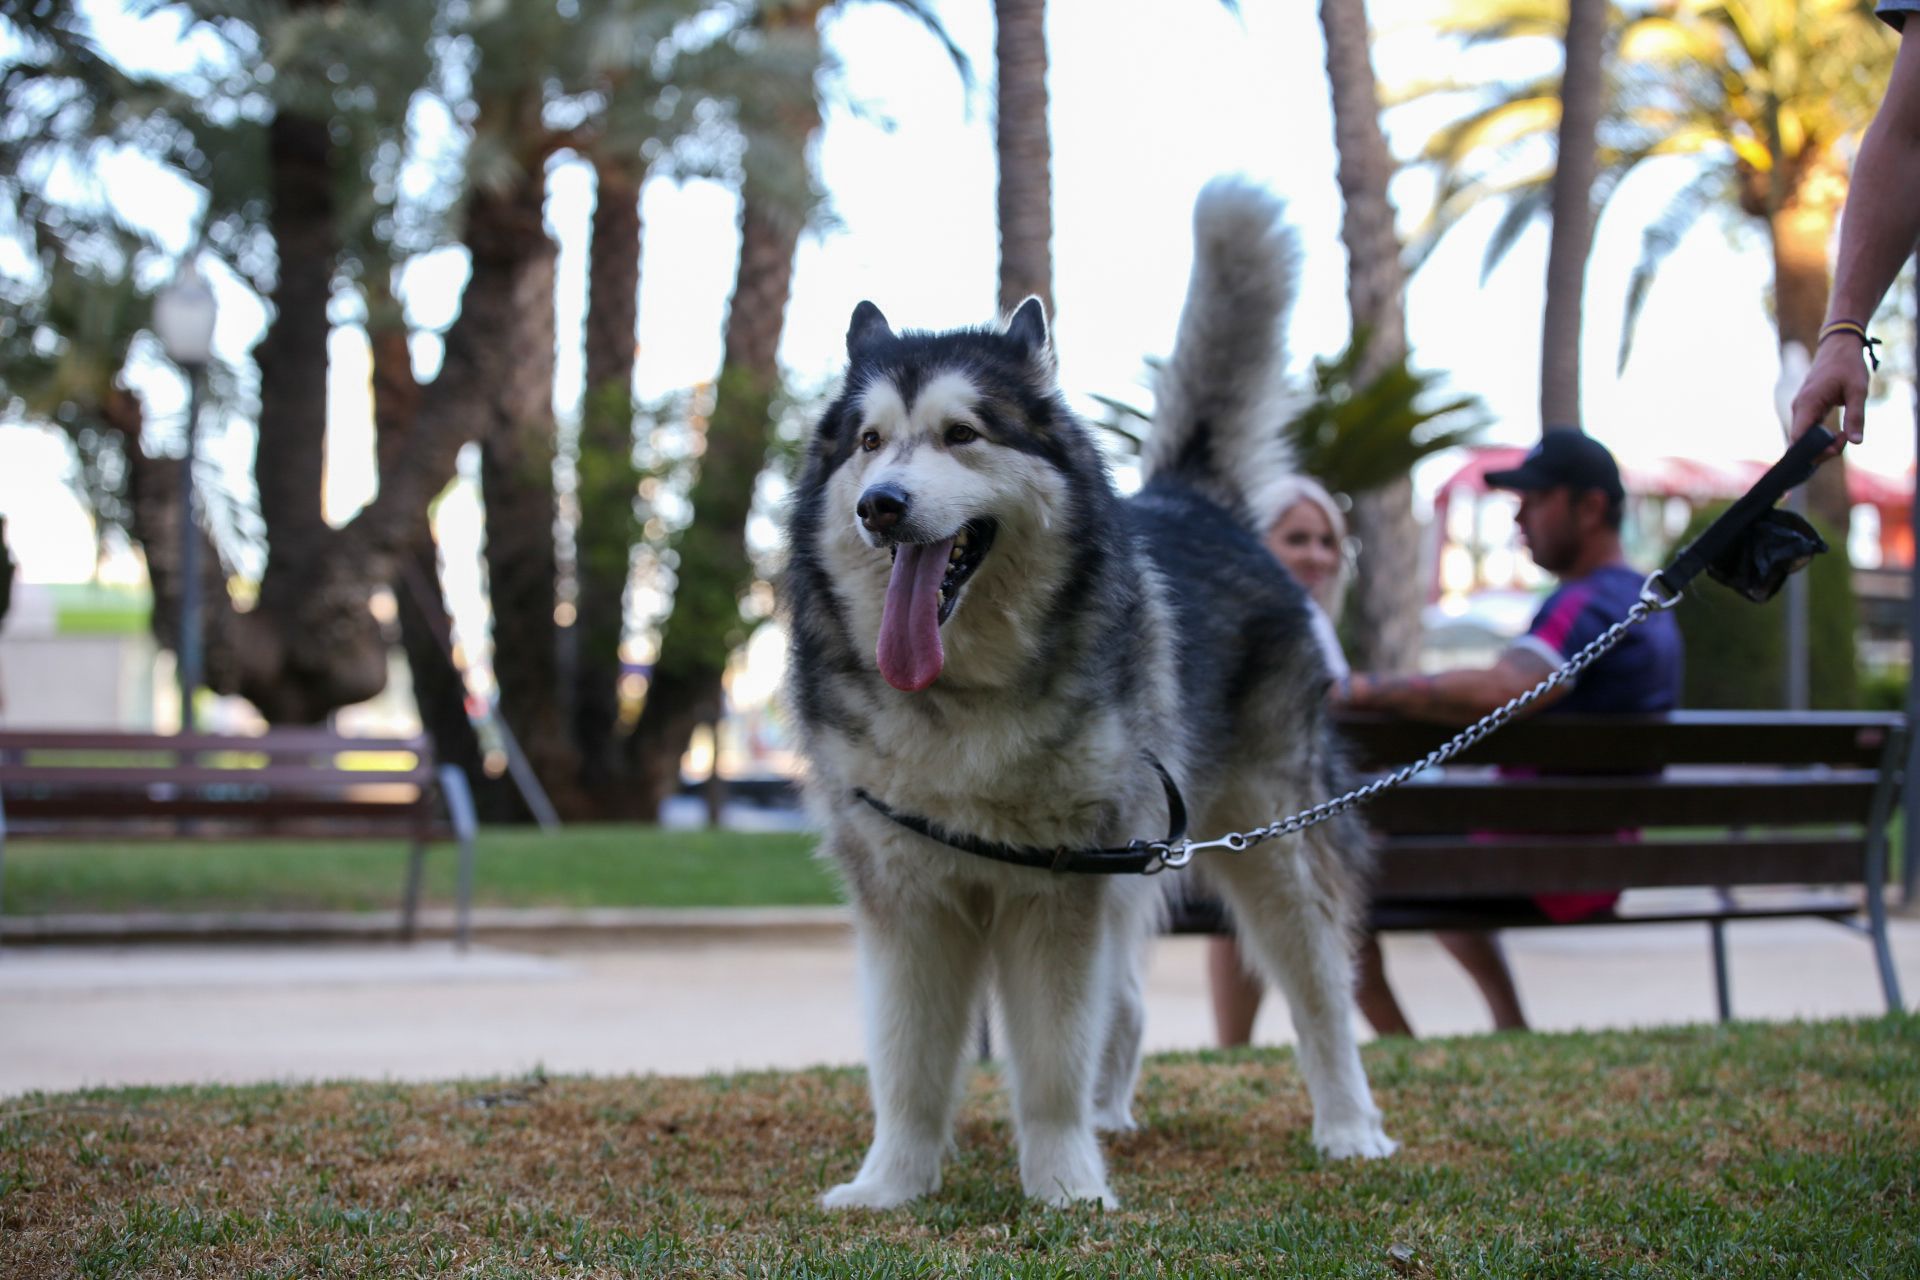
1309,538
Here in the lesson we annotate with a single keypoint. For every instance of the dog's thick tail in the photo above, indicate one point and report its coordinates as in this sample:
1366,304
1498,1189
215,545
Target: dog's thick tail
1222,398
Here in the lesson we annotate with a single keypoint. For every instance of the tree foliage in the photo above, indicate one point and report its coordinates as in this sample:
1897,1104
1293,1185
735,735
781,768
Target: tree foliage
328,144
1354,434
1752,93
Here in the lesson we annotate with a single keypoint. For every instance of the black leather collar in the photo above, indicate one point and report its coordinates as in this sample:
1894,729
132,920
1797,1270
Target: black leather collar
1133,858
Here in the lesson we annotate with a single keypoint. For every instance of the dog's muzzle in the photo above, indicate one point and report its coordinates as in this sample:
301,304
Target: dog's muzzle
881,508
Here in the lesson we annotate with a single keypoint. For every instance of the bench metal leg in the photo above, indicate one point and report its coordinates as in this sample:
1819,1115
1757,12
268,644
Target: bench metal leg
3,855
1876,876
410,902
453,784
1882,952
1723,996
1877,929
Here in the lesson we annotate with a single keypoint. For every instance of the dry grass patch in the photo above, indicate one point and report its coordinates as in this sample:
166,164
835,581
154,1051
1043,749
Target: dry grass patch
1748,1151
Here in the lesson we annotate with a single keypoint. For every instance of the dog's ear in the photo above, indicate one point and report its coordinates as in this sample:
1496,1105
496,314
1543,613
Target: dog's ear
867,327
1028,329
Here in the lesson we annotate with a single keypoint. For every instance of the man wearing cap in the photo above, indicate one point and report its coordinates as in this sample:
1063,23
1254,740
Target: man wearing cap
1571,502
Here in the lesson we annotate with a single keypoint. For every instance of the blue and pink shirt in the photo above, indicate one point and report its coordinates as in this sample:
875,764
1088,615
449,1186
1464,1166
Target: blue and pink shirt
1639,674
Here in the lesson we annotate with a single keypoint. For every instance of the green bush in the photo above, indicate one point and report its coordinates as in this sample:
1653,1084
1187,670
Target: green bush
1736,649
1884,691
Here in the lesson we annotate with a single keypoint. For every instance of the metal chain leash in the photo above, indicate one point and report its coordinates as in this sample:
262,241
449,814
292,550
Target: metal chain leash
1655,597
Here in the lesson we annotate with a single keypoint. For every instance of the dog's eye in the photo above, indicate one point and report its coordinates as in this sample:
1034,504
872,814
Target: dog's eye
961,433
869,440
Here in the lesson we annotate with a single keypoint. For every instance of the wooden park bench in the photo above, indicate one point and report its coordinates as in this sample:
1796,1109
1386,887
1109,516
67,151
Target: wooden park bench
308,784
1774,814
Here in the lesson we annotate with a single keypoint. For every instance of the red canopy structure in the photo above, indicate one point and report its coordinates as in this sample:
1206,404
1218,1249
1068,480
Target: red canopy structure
1650,486
1697,483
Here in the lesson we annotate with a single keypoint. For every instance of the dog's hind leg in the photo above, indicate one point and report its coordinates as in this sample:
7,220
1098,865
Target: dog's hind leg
1053,979
1131,921
920,971
1293,901
1120,1054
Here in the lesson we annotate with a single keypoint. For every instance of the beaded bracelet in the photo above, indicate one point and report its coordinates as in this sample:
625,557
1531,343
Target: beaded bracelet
1859,331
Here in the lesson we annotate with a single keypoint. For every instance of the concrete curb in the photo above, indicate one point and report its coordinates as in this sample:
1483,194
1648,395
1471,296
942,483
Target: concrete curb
626,924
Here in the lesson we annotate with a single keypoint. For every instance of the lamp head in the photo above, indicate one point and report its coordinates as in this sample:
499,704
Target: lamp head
183,316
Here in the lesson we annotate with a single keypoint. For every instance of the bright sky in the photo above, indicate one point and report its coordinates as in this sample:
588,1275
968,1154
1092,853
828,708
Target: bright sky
1148,103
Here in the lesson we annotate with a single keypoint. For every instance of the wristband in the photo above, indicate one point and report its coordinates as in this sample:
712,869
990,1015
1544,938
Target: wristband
1859,331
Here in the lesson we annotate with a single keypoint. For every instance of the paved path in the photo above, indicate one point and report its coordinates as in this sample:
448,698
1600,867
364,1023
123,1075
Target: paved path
175,1014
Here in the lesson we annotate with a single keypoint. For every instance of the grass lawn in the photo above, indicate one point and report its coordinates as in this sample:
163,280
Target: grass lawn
581,866
1746,1151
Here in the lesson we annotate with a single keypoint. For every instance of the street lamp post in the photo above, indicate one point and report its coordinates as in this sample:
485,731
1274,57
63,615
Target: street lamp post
1910,864
183,316
1794,362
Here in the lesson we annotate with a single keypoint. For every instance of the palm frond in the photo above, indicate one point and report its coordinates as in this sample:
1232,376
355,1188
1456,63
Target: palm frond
923,13
1659,241
1354,437
1524,207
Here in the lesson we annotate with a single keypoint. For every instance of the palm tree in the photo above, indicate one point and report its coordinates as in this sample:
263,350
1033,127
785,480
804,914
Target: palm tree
1765,97
593,82
1572,205
309,643
758,81
1025,151
1386,598
712,568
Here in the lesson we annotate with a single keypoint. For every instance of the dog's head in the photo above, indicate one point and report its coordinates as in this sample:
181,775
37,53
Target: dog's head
943,458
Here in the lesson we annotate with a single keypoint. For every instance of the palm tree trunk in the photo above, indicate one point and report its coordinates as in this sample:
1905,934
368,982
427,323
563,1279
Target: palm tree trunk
6,576
312,620
712,568
426,629
1801,229
516,479
1384,604
1025,152
1573,175
607,480
293,356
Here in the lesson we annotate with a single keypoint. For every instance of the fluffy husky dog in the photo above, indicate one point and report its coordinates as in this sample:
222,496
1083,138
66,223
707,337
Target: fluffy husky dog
987,636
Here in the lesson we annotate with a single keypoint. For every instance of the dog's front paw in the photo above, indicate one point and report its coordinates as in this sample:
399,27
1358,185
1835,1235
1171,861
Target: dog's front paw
1063,1167
1063,1196
1360,1139
873,1193
1114,1120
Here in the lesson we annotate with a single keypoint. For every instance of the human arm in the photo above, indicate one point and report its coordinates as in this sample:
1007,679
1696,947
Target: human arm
1878,231
1453,697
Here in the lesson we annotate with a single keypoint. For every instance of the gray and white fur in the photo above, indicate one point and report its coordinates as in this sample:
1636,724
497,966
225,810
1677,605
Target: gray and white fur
985,634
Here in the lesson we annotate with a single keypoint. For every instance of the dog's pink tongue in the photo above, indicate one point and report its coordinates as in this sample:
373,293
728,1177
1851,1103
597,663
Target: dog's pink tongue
909,650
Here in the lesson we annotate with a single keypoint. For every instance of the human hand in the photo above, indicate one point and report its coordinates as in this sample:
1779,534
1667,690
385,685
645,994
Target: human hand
1837,378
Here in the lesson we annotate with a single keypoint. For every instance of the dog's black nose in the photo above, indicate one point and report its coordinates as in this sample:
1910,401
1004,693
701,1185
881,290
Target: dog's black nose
881,507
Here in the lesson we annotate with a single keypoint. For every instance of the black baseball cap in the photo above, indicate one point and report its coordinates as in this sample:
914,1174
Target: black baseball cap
1564,456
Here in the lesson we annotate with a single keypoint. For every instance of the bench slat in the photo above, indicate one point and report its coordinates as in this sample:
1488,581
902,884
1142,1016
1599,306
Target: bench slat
1638,742
313,750
1417,918
104,808
24,779
275,741
1559,804
1442,868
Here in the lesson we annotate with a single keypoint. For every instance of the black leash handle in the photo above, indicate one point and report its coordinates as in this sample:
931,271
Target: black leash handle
1796,465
